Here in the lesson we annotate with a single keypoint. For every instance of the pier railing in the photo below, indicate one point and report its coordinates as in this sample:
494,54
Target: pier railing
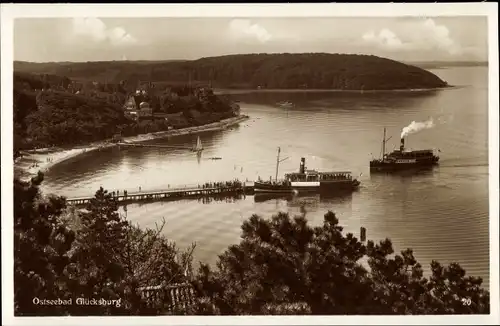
187,191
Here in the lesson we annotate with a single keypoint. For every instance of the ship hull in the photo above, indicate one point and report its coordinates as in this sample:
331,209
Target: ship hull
264,187
265,196
400,166
302,187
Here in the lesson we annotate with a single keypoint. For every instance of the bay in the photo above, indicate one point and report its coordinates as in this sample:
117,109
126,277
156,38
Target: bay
441,214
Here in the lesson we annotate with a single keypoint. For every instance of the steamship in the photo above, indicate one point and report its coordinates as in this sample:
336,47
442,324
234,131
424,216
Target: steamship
402,159
307,181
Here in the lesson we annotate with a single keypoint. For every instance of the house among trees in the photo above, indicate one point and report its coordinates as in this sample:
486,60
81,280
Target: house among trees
236,108
145,110
117,138
137,107
130,104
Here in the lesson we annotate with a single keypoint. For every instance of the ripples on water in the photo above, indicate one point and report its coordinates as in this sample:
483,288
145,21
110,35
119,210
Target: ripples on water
442,214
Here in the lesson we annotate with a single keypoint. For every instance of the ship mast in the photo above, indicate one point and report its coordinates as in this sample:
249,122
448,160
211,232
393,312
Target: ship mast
278,161
383,143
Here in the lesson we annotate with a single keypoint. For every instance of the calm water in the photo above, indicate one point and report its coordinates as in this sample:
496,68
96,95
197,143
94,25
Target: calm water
441,214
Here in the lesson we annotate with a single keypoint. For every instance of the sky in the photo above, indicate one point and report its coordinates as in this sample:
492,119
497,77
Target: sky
461,38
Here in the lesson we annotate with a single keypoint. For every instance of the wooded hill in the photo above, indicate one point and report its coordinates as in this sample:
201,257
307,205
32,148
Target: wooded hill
271,71
47,111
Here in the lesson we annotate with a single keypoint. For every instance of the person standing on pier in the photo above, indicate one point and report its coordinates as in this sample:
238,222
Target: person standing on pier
139,188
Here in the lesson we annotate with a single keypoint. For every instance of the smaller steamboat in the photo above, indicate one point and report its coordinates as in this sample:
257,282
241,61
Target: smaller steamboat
307,181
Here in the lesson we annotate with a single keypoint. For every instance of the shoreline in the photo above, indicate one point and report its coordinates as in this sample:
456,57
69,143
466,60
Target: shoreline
230,91
43,159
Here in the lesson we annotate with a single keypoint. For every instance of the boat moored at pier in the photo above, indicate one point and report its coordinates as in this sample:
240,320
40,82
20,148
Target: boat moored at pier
308,181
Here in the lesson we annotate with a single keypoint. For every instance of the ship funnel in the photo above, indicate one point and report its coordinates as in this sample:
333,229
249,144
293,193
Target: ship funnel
402,146
302,168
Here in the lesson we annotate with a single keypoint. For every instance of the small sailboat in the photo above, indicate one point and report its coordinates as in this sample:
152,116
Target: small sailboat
285,104
199,146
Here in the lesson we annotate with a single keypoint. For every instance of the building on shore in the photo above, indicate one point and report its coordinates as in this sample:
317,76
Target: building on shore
236,108
136,106
117,138
130,104
145,110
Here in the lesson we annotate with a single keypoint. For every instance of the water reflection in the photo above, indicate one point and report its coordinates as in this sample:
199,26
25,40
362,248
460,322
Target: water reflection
122,162
407,173
316,100
88,163
310,198
317,202
201,199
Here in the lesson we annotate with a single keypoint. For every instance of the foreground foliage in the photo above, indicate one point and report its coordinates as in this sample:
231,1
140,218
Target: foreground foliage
285,266
61,254
281,266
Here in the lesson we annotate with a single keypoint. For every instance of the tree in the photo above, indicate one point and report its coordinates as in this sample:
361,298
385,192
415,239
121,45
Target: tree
284,266
68,254
45,118
41,249
97,268
111,259
401,288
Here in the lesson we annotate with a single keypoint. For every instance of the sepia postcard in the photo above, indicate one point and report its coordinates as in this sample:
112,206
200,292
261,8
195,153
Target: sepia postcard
237,164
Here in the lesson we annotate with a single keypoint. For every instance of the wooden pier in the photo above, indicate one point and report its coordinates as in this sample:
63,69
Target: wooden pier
156,146
197,148
172,194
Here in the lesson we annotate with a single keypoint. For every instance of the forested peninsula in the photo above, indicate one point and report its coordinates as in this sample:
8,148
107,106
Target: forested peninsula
54,110
251,71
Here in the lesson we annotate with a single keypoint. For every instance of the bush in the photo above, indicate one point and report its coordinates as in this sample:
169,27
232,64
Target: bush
284,266
97,254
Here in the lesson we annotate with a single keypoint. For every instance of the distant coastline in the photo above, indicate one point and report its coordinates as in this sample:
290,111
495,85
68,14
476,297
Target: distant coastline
448,64
267,70
229,91
32,161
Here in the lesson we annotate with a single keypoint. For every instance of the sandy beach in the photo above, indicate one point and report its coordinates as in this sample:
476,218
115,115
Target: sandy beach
32,161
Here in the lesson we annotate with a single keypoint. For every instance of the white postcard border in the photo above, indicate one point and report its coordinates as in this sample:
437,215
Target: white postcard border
11,11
